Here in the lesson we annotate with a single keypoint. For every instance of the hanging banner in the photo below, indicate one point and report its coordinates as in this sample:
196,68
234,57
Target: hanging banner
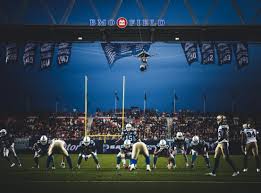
64,53
190,51
29,54
46,55
241,54
207,52
116,51
224,53
11,53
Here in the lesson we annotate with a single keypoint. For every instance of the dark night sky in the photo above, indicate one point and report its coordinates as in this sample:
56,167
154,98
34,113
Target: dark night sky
168,68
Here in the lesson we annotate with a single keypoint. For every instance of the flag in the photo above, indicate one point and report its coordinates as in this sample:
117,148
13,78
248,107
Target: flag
190,51
207,53
46,55
29,54
116,51
241,54
224,53
64,53
11,53
116,95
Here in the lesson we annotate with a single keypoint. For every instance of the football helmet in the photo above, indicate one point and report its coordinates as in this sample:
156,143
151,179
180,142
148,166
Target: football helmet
43,140
127,143
179,135
86,140
162,143
221,119
3,132
195,140
128,127
245,126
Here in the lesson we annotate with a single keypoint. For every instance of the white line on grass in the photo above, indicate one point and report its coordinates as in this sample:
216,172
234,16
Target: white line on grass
152,181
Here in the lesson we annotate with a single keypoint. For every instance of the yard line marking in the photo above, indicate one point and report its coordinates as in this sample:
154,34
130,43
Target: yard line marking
152,181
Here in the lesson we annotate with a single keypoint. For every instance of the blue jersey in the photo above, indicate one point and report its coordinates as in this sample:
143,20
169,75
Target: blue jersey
87,149
200,147
130,135
40,148
7,140
179,143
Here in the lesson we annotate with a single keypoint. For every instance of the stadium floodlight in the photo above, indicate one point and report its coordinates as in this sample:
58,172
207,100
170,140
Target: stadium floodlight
177,38
80,38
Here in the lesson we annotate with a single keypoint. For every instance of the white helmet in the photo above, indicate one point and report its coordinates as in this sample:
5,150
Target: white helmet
3,132
128,127
127,143
86,140
179,135
245,126
221,118
195,140
162,143
43,140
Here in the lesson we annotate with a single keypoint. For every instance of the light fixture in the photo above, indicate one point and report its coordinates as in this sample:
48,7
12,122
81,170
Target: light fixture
80,38
177,38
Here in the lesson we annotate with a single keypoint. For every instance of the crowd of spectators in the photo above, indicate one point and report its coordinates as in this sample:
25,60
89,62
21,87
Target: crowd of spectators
149,126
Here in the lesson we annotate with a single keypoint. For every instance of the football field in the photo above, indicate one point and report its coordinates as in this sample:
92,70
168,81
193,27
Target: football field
108,179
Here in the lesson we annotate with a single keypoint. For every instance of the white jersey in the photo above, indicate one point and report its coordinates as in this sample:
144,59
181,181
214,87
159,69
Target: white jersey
223,133
250,135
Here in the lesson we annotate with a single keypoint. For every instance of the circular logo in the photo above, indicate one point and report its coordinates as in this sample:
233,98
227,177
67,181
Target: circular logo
122,22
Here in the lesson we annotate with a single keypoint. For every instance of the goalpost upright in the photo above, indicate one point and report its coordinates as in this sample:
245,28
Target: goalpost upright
123,100
85,105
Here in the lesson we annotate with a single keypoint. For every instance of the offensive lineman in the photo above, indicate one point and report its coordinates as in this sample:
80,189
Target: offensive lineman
7,143
222,147
248,145
197,147
179,144
163,150
58,145
87,149
125,153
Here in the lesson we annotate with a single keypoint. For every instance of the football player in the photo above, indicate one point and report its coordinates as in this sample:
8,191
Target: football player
128,133
222,146
137,148
180,145
58,145
40,149
248,145
8,146
163,150
87,149
197,147
125,153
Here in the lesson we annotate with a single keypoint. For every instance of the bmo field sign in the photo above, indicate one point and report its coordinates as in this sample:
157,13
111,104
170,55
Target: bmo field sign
122,22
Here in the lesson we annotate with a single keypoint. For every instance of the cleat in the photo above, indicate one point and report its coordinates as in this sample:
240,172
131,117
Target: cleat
53,168
211,174
118,167
175,166
36,167
258,170
148,168
78,166
98,167
132,167
187,165
235,174
192,166
245,170
154,166
12,165
20,165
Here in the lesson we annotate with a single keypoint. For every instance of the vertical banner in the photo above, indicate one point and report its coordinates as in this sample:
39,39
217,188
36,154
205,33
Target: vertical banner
64,53
190,51
116,51
241,54
11,53
46,55
29,54
207,52
224,53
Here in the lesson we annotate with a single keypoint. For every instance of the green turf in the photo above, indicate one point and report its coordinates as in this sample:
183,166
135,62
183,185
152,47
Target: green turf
88,175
